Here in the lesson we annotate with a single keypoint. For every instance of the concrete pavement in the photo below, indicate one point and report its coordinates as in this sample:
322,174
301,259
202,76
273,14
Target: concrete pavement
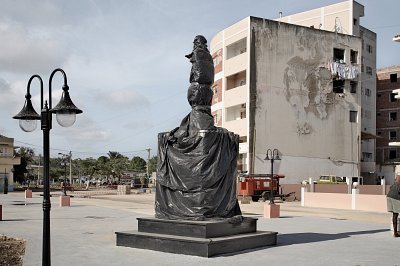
83,234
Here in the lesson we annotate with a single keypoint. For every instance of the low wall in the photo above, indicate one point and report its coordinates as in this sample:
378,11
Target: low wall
374,203
288,188
330,188
354,201
371,189
327,200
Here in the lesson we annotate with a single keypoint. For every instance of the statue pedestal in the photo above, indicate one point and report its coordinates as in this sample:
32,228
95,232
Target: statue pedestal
271,211
197,238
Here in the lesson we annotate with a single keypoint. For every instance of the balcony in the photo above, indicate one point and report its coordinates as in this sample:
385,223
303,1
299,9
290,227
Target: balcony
235,96
236,64
237,126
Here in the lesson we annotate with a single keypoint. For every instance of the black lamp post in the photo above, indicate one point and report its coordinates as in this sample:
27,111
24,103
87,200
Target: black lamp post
272,155
65,112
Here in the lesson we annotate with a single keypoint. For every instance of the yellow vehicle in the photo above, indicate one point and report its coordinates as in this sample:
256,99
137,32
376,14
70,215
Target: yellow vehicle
330,179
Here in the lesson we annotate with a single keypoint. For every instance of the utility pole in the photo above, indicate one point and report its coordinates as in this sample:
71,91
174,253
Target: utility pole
148,160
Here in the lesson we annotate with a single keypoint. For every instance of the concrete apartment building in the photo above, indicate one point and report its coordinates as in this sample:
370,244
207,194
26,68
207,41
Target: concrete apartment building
388,123
7,162
277,86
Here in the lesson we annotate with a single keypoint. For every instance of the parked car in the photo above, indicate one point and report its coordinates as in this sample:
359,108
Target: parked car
327,179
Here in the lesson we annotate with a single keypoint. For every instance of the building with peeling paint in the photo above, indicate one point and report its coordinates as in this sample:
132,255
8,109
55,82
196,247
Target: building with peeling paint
388,123
297,89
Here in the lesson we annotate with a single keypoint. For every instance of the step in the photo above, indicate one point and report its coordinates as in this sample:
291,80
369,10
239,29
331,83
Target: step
202,229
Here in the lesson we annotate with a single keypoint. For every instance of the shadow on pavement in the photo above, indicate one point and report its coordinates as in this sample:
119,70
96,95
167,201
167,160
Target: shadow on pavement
301,238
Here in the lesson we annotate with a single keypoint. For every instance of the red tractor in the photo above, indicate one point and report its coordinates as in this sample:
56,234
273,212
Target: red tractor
259,186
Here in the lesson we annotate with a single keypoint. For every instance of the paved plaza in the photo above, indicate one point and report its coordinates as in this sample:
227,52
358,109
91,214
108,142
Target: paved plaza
84,234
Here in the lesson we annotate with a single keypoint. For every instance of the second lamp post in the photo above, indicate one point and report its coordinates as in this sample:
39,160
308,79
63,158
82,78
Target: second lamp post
272,155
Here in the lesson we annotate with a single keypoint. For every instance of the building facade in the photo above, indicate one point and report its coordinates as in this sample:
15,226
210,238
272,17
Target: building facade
344,17
388,123
280,85
7,161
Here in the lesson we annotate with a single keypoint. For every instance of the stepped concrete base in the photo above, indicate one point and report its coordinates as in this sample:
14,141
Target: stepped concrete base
198,238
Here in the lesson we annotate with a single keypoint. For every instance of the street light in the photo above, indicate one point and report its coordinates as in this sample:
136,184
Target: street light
65,112
272,155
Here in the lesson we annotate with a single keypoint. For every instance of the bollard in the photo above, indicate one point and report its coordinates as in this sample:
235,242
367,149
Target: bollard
354,192
28,194
65,201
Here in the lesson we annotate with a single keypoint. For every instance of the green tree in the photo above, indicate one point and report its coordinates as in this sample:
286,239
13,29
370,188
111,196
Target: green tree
138,164
153,164
21,170
114,155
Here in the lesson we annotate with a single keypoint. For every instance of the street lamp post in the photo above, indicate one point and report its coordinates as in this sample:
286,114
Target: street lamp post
272,155
65,112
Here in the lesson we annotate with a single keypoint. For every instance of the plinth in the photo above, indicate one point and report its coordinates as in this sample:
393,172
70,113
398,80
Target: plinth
197,238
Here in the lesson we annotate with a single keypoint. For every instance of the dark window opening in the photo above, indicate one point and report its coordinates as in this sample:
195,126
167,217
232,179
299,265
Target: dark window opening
353,116
338,55
393,77
379,94
354,21
353,56
392,135
378,114
392,116
392,154
393,97
368,70
353,86
379,133
338,86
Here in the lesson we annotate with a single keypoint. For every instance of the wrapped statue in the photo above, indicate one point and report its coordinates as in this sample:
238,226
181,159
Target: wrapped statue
196,171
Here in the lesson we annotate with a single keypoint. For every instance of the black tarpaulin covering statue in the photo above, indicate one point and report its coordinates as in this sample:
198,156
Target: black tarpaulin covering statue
196,171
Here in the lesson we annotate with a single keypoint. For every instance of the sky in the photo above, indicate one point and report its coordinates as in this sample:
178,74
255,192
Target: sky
125,63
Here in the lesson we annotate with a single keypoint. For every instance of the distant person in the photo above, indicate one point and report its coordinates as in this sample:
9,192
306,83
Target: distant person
393,204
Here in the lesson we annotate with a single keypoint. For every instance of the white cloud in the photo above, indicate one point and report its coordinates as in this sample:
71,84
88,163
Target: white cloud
122,98
25,52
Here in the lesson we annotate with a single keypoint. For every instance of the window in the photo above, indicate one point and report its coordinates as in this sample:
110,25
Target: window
215,90
353,56
338,86
353,86
392,154
236,48
392,135
379,94
368,70
338,55
392,116
367,92
216,60
369,48
378,114
393,97
353,116
393,77
354,21
379,133
216,119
